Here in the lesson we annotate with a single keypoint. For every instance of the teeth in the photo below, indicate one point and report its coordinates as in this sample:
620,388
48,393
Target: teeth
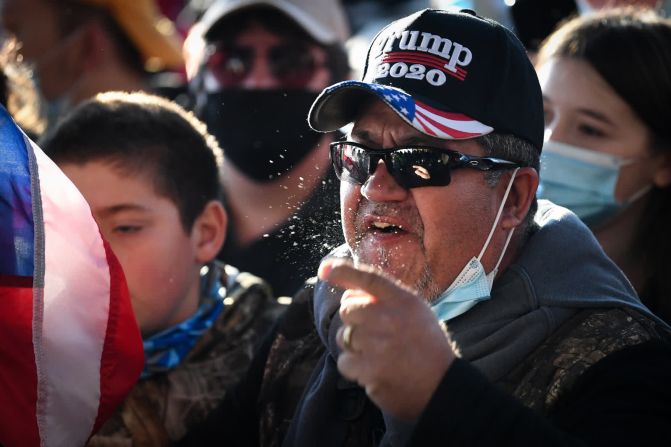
383,225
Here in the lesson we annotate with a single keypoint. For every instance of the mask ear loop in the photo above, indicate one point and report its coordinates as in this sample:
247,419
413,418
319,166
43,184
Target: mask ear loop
496,221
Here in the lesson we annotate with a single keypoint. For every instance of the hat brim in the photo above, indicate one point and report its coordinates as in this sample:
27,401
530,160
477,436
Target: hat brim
341,104
220,10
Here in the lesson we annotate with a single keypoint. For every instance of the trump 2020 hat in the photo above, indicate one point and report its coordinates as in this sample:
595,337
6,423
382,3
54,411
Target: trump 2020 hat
450,75
324,20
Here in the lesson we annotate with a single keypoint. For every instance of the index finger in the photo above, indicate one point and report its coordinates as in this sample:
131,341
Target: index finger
344,274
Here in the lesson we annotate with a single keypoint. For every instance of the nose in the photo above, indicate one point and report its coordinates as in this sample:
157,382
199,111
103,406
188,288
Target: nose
382,187
260,76
557,129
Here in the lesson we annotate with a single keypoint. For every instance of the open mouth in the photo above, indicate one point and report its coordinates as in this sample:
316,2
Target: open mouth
385,228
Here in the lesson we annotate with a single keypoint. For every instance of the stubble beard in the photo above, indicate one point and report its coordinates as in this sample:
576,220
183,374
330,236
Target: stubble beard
424,285
382,258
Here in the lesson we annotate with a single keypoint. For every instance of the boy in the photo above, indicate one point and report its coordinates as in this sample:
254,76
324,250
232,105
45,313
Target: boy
149,171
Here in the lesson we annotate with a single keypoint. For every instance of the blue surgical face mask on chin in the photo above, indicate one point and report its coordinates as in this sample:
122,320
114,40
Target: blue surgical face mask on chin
583,181
472,285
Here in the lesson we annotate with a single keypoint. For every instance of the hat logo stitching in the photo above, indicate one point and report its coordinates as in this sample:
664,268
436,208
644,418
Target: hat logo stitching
415,65
420,56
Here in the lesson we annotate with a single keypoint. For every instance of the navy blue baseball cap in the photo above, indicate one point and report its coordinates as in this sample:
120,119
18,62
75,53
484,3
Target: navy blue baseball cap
450,75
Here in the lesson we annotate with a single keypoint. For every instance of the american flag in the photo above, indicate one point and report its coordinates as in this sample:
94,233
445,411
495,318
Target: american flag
70,348
430,120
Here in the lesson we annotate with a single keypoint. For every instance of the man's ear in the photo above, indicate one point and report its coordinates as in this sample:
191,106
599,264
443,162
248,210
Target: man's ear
95,45
520,198
209,231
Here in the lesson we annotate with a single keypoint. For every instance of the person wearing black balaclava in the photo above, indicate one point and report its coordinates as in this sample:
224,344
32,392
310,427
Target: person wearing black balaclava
264,62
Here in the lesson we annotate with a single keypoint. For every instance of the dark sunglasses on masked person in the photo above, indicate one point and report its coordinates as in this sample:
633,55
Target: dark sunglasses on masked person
411,166
292,64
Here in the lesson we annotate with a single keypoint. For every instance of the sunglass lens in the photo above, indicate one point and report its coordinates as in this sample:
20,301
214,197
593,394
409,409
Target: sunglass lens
414,167
350,163
293,64
230,65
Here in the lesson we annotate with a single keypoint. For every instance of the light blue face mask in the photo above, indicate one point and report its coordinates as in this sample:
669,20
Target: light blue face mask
472,285
583,181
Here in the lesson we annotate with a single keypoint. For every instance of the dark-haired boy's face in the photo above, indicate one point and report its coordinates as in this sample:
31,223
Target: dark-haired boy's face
146,234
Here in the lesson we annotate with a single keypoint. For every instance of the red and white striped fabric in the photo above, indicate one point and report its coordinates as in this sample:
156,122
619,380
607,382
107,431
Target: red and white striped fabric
70,348
446,125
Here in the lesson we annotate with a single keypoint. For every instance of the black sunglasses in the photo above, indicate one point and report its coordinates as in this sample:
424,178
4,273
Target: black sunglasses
411,167
292,64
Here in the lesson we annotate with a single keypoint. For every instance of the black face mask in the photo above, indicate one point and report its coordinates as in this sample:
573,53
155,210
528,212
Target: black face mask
264,133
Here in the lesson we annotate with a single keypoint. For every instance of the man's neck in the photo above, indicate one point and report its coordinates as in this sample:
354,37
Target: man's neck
110,77
258,208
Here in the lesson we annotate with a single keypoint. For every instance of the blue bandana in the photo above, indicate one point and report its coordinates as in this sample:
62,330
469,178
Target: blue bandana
165,350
